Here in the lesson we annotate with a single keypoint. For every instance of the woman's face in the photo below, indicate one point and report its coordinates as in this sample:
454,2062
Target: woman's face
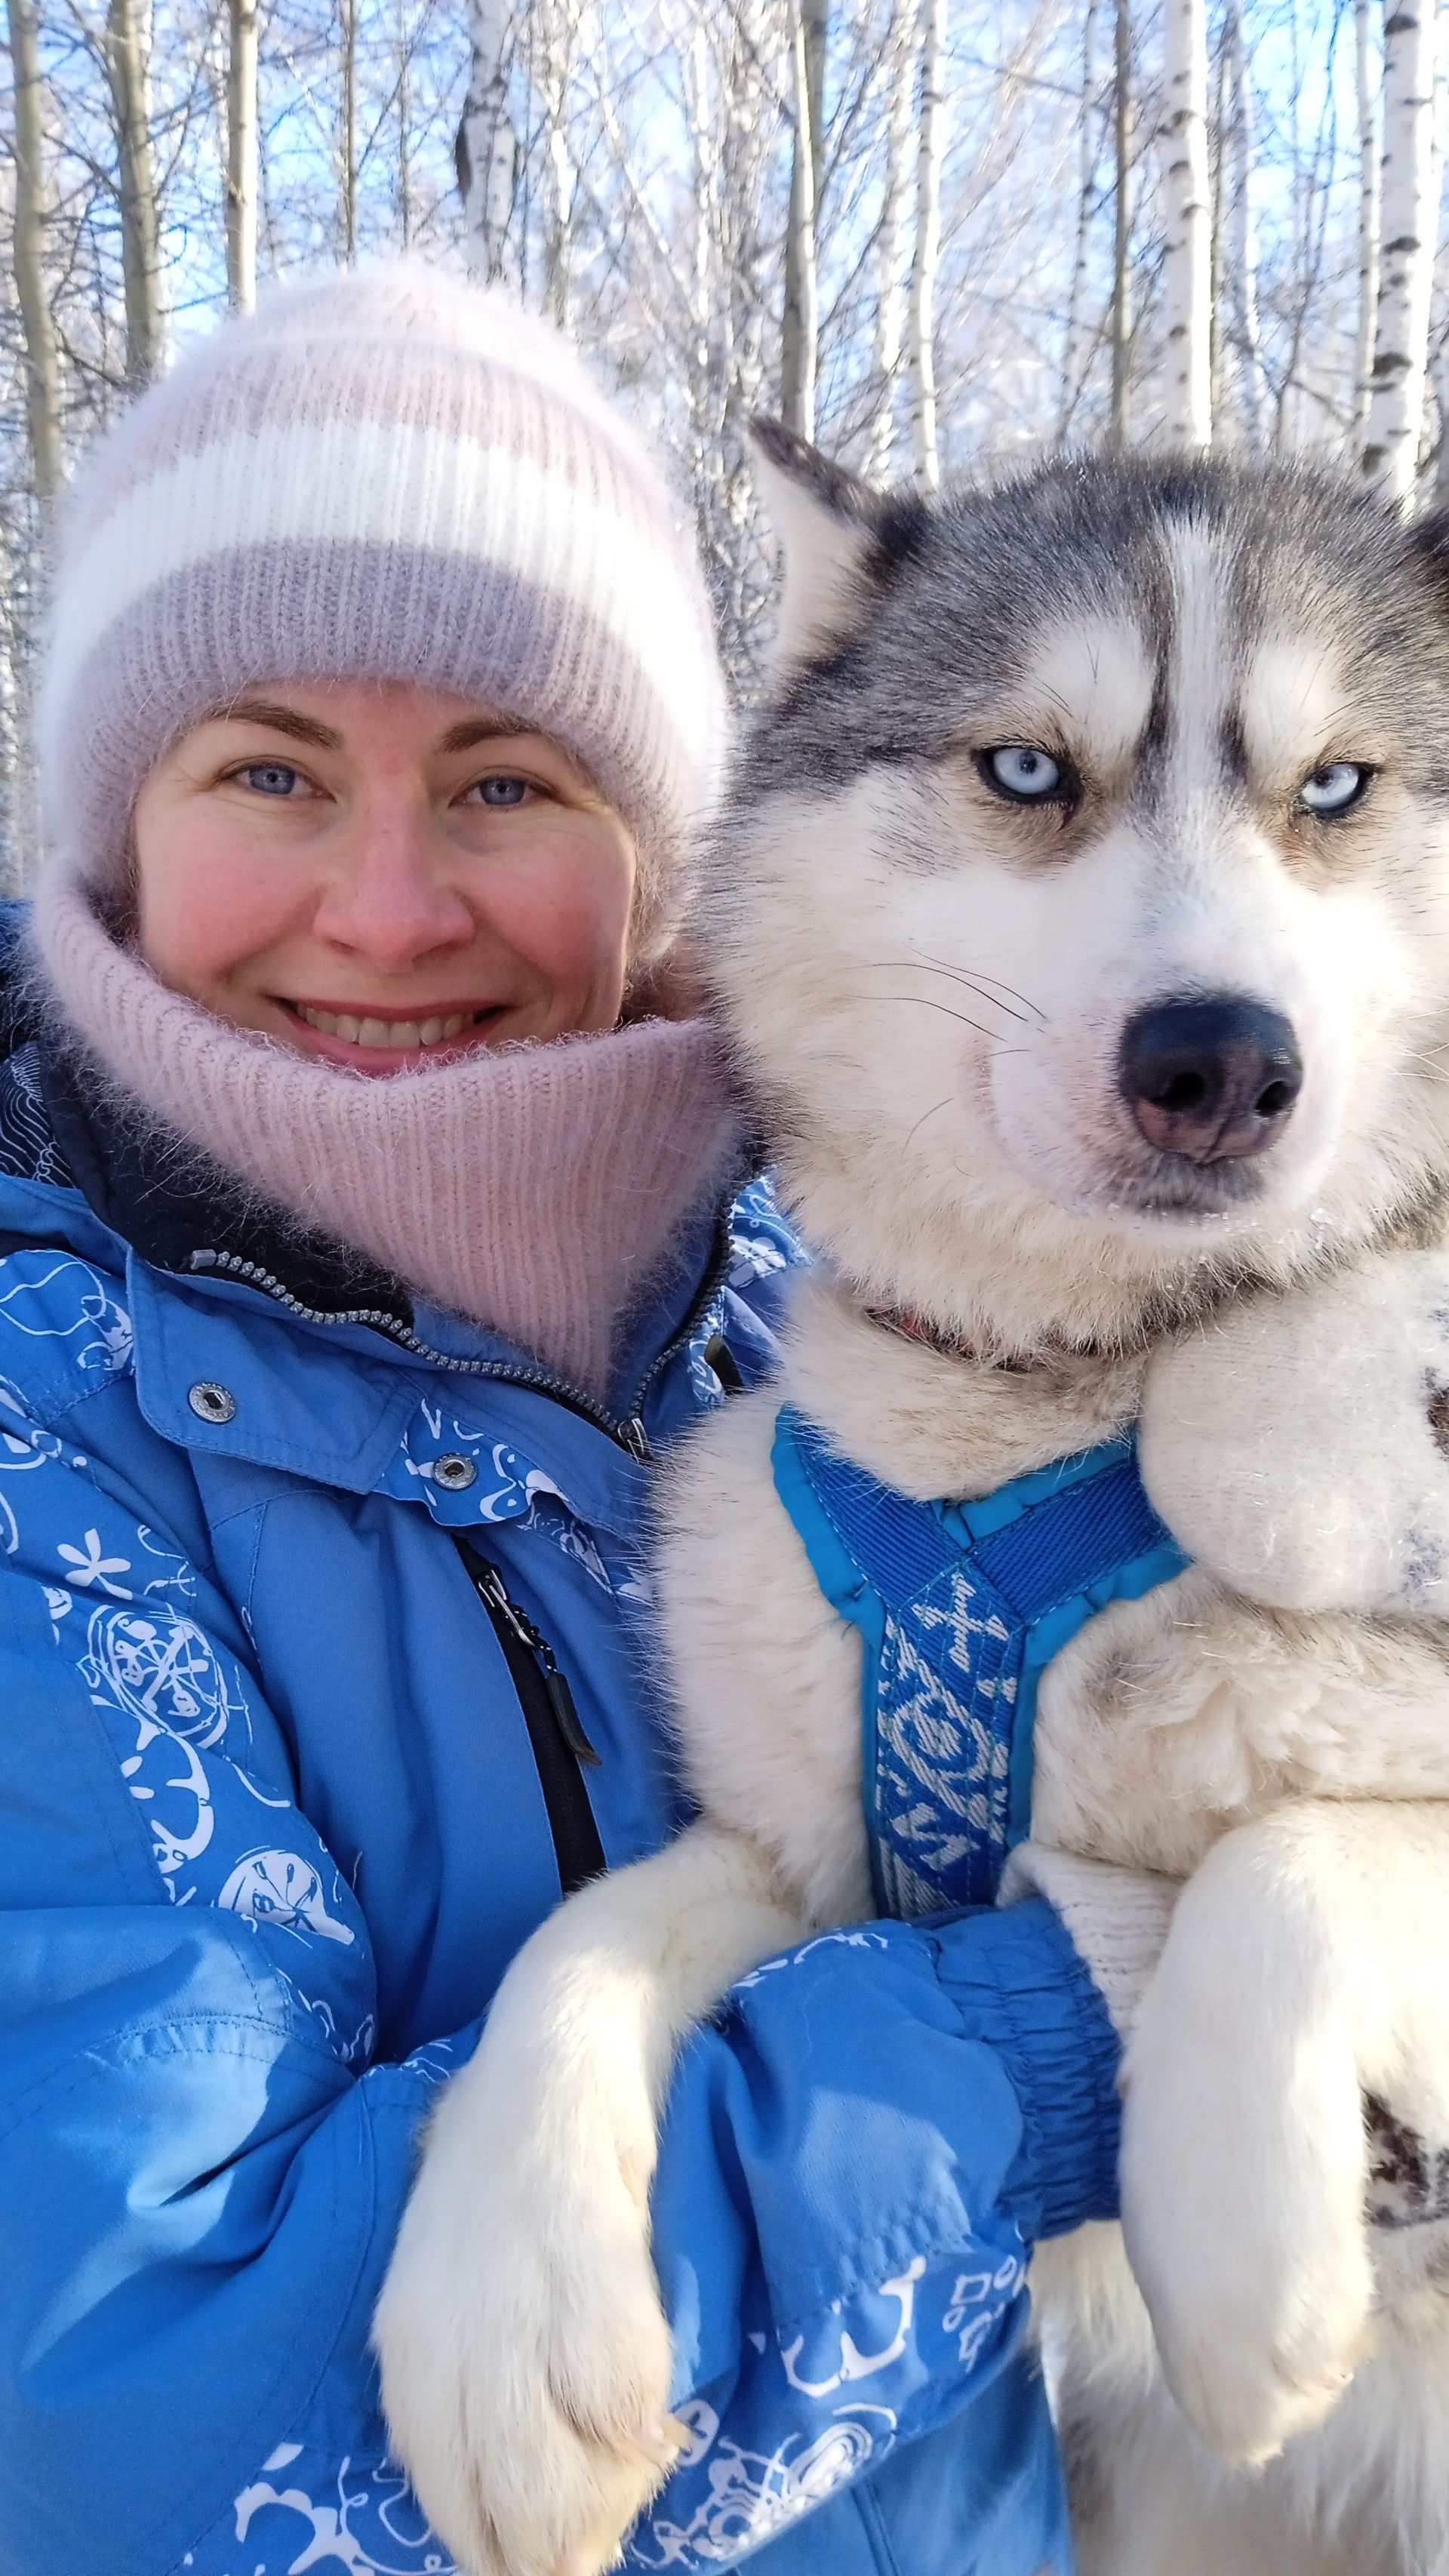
382,876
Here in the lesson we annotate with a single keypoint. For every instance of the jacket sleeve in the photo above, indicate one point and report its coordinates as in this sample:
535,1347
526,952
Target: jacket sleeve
858,2159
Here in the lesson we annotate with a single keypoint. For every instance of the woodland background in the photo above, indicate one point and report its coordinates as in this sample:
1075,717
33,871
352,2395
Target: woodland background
936,234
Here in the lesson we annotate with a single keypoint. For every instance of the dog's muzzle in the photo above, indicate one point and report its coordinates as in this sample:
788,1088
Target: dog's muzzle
1213,1079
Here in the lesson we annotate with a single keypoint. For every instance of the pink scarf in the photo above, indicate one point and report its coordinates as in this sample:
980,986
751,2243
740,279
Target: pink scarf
536,1189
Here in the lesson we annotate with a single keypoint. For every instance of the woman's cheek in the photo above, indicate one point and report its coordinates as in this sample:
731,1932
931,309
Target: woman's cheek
565,908
205,914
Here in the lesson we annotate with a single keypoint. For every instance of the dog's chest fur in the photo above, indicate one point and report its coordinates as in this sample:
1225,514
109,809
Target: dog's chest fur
1167,1721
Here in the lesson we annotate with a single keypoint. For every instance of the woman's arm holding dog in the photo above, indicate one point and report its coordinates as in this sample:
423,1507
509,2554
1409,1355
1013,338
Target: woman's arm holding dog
854,2164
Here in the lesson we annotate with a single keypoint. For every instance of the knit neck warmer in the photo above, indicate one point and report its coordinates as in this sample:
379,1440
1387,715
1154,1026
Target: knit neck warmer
535,1190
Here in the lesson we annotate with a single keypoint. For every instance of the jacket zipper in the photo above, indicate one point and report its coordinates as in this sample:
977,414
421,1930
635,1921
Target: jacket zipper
628,1434
561,1749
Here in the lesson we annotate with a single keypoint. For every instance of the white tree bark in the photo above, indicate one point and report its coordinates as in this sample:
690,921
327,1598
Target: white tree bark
1243,230
42,364
128,73
1368,76
928,245
1076,349
1122,221
487,149
800,328
890,298
553,28
241,157
1187,266
347,136
1441,404
1408,226
404,192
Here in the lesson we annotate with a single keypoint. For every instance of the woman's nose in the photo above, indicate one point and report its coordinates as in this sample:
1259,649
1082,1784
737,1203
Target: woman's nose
390,897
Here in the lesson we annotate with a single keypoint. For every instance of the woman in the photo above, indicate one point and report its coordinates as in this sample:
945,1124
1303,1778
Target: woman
336,1336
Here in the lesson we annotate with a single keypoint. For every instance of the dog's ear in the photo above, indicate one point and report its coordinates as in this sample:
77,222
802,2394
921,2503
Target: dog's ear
826,520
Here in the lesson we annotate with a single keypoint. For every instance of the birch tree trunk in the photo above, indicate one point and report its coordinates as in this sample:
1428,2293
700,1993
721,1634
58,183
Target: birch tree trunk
890,305
1408,225
554,29
800,328
1122,224
1441,462
241,158
1072,342
1243,230
486,151
1187,265
928,245
127,71
404,127
1366,68
347,136
1222,136
42,365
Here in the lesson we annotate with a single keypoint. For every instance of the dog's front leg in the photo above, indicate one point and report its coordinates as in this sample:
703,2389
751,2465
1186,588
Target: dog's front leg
1304,1969
525,2357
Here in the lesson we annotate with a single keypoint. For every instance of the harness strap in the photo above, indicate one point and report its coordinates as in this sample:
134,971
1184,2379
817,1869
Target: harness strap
961,1607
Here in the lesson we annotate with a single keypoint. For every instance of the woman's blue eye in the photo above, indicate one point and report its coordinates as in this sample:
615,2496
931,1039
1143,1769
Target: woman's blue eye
503,791
1333,789
269,777
1022,771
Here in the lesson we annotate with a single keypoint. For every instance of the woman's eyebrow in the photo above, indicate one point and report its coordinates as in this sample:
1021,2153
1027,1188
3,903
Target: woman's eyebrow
278,719
475,729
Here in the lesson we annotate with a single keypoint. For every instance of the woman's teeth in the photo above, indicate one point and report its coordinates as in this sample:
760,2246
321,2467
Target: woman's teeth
403,1034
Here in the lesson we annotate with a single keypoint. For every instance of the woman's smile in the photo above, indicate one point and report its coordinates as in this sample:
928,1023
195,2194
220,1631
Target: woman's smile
381,1036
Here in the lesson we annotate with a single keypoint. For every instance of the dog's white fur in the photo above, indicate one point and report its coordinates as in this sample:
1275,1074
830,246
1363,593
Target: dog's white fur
1268,1728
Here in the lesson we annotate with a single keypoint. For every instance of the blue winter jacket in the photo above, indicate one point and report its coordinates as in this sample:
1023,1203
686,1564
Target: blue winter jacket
284,1566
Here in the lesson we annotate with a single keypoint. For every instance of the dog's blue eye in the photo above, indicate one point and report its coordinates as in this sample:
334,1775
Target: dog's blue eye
1022,771
1334,789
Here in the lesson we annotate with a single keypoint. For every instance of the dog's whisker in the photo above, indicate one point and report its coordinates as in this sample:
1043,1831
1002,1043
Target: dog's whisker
953,974
925,1114
978,975
922,1002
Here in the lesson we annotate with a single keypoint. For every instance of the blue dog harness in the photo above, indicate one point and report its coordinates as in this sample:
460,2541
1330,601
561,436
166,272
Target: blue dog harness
962,1606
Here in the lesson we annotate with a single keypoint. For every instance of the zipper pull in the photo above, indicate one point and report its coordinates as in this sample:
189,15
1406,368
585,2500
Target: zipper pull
724,1364
636,1441
490,1583
570,1725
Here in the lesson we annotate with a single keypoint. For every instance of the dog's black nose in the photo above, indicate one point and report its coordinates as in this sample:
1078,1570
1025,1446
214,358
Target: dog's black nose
1212,1078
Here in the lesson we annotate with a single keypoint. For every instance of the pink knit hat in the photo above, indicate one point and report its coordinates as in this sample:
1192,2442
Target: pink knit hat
387,475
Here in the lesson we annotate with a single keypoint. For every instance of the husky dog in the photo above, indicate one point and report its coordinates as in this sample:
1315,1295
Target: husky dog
1080,917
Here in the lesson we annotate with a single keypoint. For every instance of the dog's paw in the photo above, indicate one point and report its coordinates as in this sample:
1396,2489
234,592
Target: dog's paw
525,2357
1244,2166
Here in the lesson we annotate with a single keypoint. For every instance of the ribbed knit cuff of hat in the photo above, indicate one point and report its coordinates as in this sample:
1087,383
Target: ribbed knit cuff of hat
536,1189
1118,1919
